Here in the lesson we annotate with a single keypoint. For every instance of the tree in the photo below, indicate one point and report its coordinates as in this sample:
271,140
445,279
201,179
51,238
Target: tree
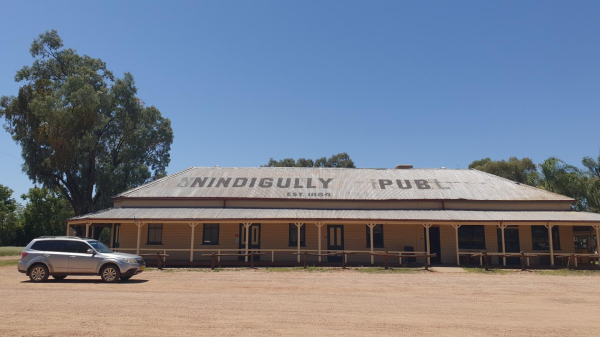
81,130
46,213
341,160
559,177
8,216
519,170
593,184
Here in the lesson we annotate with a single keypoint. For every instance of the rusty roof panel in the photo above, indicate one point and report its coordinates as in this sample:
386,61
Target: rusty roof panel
338,184
215,214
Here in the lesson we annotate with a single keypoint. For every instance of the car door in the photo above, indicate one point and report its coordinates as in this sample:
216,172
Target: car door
80,262
57,256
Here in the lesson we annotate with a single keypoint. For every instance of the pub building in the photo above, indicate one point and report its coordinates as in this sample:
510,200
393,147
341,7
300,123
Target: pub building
454,213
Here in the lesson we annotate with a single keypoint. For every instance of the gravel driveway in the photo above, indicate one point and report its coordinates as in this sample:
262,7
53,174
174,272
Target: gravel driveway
342,303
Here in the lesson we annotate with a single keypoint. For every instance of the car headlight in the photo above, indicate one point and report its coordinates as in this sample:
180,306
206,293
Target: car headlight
130,260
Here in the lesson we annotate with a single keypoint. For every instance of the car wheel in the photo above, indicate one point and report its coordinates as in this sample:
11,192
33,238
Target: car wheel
125,278
39,273
59,277
110,273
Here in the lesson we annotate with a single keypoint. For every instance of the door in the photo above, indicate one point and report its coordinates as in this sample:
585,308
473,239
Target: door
57,256
80,262
434,240
335,241
253,240
511,242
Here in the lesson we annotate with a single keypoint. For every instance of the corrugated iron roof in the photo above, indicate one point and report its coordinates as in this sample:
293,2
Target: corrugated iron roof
338,184
209,214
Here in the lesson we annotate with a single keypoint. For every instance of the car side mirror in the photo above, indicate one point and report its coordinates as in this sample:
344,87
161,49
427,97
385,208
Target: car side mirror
90,251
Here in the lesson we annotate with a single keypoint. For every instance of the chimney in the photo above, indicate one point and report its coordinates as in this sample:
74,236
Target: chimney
403,167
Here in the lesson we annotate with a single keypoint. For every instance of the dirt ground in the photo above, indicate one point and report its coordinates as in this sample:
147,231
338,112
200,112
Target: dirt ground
340,303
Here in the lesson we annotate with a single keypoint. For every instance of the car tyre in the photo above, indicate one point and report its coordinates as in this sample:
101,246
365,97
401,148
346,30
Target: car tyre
59,277
39,273
110,273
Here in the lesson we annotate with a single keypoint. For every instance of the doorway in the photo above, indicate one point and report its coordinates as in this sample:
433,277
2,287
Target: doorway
434,240
335,241
511,242
253,240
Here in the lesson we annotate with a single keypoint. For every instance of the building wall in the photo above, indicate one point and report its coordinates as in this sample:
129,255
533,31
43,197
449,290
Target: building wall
275,236
176,236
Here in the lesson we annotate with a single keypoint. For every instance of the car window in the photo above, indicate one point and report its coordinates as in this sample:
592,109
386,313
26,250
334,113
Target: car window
78,247
59,246
41,245
99,247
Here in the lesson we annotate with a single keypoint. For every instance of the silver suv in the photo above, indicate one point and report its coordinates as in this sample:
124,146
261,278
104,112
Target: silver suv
59,256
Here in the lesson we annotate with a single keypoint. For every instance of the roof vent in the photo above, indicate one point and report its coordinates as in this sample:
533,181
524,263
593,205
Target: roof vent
403,167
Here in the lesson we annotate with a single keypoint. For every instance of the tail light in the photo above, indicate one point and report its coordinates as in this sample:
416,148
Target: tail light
23,254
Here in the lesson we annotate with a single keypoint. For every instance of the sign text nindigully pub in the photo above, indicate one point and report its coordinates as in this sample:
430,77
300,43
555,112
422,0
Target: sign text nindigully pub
304,183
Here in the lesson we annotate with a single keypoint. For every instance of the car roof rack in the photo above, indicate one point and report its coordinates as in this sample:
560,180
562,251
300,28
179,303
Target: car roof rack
63,237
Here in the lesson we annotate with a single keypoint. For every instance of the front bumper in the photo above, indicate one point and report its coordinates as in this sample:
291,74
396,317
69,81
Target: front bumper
132,271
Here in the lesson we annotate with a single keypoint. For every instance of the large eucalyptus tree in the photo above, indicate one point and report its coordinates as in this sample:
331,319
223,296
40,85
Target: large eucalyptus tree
82,130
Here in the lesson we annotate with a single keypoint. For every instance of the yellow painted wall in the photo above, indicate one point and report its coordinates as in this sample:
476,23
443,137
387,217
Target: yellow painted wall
275,236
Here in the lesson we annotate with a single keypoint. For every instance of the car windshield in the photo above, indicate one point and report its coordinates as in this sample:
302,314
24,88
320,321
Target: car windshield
99,247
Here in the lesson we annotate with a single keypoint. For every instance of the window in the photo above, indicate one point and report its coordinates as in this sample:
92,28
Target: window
210,234
59,246
155,233
41,245
539,238
78,247
293,237
377,236
471,237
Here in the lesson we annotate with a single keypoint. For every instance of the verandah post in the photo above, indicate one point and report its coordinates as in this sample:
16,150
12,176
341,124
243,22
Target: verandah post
112,235
456,227
247,230
298,226
549,226
319,225
193,225
371,226
502,227
139,236
427,226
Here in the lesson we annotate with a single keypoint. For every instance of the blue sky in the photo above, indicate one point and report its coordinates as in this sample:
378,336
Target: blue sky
428,83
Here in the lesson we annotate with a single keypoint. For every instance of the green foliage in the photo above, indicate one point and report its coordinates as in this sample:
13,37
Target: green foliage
10,211
592,188
559,177
554,175
81,130
341,160
46,213
105,236
519,170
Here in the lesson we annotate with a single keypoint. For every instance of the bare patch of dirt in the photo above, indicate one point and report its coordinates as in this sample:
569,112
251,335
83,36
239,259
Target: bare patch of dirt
258,303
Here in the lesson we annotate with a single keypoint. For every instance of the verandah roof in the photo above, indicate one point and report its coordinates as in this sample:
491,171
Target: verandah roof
218,214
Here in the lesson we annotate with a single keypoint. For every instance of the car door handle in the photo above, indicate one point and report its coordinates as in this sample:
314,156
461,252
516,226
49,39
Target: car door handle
72,256
46,255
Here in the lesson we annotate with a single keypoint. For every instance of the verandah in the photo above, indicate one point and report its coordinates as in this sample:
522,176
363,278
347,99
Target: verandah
245,245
